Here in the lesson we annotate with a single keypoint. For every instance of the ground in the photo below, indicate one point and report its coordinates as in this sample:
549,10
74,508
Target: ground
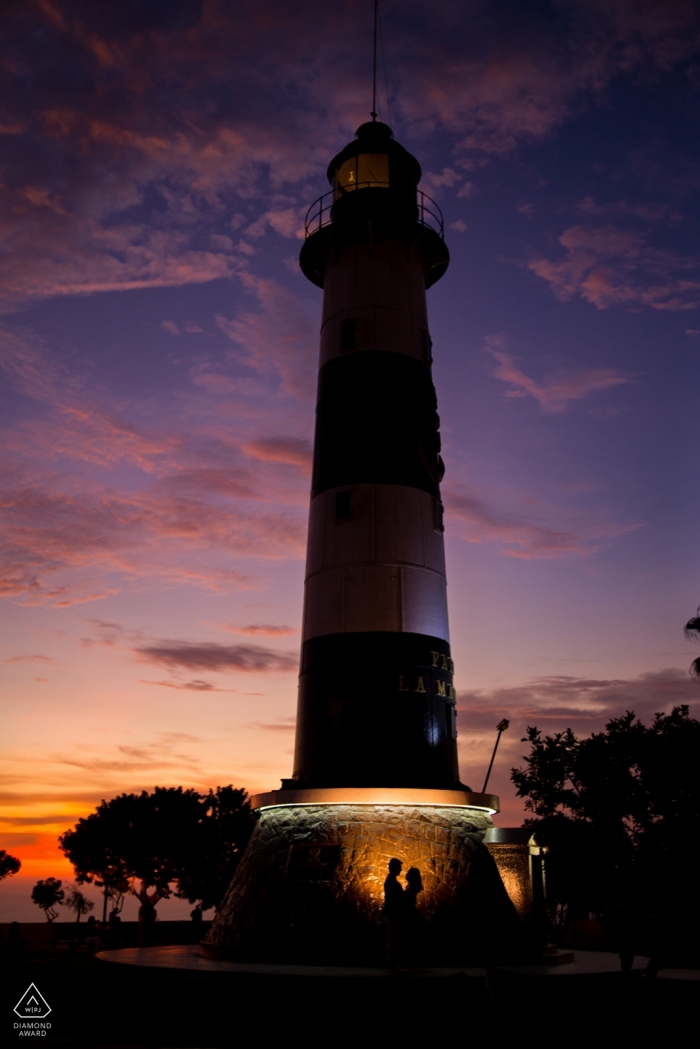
100,1006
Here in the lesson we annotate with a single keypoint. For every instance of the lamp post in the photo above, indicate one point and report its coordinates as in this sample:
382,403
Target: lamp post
501,726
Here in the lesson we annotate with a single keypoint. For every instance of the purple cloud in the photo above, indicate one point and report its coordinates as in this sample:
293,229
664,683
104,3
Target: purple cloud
192,655
525,536
608,266
554,394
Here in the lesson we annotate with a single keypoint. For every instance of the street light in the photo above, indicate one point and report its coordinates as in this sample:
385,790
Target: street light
501,726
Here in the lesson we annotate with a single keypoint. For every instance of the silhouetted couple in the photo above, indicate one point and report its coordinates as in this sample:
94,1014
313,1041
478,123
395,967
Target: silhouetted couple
402,918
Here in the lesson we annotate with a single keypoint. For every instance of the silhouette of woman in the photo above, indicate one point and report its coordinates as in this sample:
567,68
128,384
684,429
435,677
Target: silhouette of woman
413,925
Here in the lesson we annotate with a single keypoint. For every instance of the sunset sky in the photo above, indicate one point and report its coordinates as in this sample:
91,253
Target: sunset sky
159,351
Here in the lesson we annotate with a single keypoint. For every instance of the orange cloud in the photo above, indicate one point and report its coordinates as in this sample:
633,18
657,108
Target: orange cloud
295,450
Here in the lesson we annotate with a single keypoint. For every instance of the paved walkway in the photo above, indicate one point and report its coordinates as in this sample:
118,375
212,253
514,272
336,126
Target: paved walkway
585,963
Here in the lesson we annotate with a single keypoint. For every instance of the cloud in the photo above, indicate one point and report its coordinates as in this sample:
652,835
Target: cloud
608,266
536,66
297,451
163,755
286,222
171,327
447,178
459,226
108,633
652,212
518,528
68,548
262,628
579,701
283,725
31,659
132,142
193,655
81,427
281,338
76,529
190,686
554,395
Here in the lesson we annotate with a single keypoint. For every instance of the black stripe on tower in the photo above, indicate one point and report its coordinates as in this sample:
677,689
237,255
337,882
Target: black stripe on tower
376,710
376,422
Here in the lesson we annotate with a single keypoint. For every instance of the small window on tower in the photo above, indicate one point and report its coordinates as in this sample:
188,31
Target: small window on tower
427,347
348,335
342,506
439,516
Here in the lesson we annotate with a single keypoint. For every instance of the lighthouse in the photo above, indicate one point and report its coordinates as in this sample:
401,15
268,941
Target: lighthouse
376,773
376,693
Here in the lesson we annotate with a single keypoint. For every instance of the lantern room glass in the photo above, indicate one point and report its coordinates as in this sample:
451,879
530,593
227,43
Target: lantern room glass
367,171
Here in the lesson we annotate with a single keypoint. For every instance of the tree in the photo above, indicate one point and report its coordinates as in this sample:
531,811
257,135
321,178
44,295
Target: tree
172,840
225,830
90,848
48,895
77,901
9,865
620,813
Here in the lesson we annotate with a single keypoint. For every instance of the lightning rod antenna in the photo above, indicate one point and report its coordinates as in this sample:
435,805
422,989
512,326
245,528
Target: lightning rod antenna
373,114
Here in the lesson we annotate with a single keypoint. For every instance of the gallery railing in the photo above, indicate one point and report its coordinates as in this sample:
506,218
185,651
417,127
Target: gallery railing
319,214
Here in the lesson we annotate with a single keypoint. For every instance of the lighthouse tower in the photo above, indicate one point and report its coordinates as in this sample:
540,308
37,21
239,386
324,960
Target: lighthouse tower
375,769
376,696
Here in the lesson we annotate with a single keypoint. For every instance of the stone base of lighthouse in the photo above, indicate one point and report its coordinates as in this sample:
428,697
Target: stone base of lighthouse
309,888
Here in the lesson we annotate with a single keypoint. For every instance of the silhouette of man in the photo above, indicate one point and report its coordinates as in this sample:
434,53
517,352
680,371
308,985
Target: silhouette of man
394,913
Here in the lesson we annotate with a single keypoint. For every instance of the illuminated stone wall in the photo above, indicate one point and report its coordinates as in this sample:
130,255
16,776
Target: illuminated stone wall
310,885
513,862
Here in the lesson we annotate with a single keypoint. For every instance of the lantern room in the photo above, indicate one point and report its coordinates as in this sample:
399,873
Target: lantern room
373,161
374,195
